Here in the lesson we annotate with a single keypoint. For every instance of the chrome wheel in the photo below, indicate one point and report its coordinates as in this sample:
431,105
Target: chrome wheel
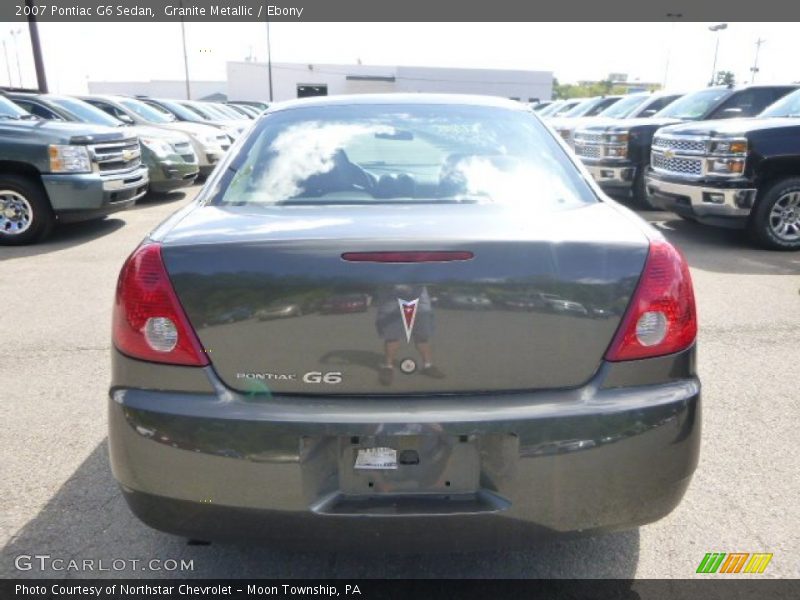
784,218
16,214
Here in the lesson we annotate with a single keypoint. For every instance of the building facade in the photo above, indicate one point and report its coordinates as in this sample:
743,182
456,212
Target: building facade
251,81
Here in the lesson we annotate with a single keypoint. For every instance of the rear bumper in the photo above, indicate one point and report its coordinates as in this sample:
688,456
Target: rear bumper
86,196
222,466
721,204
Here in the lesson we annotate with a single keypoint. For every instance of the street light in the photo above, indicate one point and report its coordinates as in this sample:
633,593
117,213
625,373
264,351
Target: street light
8,64
14,34
716,29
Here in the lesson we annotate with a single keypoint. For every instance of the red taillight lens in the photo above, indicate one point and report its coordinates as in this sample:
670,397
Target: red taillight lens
149,322
661,318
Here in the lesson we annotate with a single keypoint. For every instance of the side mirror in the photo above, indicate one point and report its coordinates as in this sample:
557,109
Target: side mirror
648,113
125,119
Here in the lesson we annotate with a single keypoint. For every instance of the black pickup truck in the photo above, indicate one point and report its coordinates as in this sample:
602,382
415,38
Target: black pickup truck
742,174
617,153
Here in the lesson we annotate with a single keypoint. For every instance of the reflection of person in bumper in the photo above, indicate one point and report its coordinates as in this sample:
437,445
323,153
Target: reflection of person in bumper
393,328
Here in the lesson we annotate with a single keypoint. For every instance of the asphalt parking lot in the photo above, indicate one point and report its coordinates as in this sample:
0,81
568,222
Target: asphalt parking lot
58,496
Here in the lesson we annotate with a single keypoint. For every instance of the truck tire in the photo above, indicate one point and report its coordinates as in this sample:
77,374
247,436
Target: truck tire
25,212
639,191
775,221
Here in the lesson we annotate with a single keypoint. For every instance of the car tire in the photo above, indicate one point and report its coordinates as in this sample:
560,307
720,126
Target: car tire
775,221
639,191
24,196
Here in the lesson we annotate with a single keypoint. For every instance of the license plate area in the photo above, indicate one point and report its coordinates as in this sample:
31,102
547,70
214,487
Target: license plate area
425,464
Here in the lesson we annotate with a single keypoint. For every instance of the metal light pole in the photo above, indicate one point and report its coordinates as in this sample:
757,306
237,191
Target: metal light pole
716,29
269,63
8,63
185,56
754,68
14,34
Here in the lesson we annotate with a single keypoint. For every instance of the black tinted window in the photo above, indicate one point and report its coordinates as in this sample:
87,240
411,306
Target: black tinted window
748,103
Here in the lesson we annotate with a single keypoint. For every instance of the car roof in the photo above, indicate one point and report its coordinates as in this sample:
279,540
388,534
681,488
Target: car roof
378,99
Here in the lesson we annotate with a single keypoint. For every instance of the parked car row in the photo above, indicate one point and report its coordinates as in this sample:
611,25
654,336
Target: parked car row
721,156
65,158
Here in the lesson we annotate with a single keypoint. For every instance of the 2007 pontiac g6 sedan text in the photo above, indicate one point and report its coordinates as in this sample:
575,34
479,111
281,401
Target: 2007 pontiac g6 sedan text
410,320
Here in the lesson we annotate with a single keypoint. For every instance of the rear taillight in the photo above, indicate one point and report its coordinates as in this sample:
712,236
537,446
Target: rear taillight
149,322
661,318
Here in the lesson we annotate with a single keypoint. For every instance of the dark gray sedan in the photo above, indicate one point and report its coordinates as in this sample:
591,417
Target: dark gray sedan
400,418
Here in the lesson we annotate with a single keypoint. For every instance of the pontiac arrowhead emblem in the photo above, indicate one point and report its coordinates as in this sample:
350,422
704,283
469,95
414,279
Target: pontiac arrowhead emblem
408,310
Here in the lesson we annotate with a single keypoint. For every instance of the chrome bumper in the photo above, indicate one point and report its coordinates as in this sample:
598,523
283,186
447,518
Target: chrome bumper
701,201
612,176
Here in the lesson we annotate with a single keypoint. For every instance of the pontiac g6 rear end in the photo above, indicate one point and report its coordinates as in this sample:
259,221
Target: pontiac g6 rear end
408,320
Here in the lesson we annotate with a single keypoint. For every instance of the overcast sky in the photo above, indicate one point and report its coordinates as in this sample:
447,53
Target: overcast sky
76,53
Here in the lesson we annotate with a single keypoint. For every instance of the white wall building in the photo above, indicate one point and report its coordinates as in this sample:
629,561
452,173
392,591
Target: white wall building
250,81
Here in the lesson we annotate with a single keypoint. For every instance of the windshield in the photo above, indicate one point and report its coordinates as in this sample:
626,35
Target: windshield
202,111
565,108
788,106
180,110
549,110
148,113
694,106
9,109
624,106
84,111
582,108
229,112
369,154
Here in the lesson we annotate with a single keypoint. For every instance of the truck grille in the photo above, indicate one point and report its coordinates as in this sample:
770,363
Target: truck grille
680,144
588,151
677,165
589,138
110,157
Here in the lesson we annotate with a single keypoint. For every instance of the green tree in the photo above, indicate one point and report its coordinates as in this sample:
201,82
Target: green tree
724,78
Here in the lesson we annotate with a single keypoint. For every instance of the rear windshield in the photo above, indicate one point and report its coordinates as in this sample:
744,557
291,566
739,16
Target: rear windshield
370,154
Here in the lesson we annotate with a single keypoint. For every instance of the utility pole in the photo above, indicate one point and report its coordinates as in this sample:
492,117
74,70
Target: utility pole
269,63
754,68
8,63
14,34
185,56
36,46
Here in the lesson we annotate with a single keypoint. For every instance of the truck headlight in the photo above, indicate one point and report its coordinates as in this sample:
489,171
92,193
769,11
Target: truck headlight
617,151
729,147
617,138
725,166
158,147
69,159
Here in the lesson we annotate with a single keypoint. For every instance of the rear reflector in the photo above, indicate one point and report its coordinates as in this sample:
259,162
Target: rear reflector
661,318
149,322
408,257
